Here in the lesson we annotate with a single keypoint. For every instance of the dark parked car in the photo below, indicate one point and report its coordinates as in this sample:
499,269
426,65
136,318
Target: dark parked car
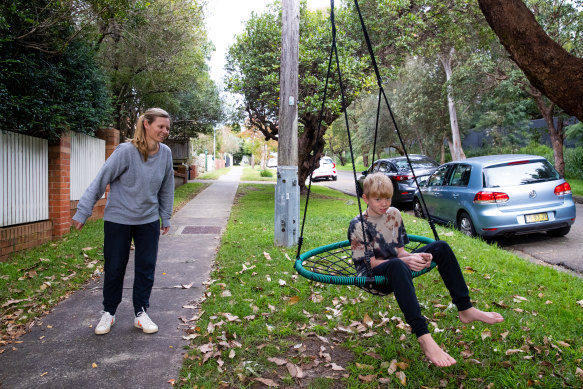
499,195
397,169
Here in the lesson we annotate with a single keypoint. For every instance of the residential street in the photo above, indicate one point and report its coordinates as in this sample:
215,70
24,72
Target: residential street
565,251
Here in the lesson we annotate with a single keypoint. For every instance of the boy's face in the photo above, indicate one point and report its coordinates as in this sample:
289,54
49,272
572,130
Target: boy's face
377,206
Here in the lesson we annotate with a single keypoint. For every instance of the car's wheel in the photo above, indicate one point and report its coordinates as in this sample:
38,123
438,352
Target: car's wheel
557,232
466,225
418,208
334,178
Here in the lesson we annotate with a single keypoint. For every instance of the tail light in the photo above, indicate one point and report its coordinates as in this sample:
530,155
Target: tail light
403,177
333,165
563,189
490,197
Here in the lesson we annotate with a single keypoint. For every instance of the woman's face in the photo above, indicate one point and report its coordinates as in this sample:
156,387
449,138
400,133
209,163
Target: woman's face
158,130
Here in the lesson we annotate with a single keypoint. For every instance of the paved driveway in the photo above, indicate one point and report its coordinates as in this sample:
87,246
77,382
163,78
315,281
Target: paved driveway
565,251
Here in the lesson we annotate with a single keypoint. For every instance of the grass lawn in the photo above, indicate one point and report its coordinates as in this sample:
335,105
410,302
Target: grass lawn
261,324
214,174
576,186
348,167
254,174
34,281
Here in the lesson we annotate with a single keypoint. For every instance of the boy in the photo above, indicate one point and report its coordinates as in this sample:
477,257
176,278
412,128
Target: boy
385,255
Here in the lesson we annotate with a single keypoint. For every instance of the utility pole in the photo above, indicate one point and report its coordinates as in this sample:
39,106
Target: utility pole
287,190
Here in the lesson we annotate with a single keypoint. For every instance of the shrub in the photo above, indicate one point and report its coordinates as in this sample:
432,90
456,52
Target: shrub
266,173
574,163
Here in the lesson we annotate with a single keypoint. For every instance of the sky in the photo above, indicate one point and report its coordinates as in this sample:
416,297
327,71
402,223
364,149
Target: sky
225,19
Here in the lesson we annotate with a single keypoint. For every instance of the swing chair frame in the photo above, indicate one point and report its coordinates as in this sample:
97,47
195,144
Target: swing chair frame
332,263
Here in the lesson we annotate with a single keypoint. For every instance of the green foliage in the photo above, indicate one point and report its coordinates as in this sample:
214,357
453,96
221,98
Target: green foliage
48,89
253,66
575,132
266,173
154,54
574,163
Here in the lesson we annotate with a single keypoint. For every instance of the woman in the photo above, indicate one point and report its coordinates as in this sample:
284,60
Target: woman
141,181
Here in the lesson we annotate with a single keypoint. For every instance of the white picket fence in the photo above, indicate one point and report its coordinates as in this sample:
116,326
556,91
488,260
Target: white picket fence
24,171
87,157
24,175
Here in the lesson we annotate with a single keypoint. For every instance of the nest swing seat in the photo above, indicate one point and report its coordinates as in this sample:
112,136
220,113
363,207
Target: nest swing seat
332,263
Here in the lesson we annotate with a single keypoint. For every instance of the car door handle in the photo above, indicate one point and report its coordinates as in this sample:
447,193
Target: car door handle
455,195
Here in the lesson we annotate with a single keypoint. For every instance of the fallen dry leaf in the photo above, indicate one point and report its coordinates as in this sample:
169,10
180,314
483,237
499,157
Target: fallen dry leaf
44,374
363,366
294,370
402,365
282,282
294,300
267,256
367,320
504,334
513,351
94,365
336,367
367,378
486,334
402,377
277,361
231,354
579,373
268,382
392,367
580,303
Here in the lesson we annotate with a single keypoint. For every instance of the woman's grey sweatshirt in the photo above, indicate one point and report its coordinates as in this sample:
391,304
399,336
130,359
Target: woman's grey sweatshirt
140,192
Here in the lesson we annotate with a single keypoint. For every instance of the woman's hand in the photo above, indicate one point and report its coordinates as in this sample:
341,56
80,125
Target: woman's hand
78,225
164,230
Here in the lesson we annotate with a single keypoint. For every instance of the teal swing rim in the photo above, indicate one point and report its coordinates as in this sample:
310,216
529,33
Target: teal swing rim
351,280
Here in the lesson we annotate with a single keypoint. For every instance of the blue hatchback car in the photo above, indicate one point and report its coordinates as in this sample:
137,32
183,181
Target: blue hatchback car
499,195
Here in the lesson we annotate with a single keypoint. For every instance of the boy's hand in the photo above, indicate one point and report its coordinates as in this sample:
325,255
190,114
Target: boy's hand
417,261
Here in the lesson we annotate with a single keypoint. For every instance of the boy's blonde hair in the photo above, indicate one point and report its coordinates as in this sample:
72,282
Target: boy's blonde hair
377,185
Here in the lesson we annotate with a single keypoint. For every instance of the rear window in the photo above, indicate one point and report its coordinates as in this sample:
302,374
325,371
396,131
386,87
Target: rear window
326,161
422,163
519,174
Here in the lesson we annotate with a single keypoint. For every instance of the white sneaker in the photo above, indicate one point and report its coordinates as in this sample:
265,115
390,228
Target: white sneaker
105,323
144,322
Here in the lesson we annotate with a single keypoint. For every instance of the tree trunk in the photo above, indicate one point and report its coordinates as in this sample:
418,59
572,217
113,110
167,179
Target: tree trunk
555,132
549,67
442,154
457,152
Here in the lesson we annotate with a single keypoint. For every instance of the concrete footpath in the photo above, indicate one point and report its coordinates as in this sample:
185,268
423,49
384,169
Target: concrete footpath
62,350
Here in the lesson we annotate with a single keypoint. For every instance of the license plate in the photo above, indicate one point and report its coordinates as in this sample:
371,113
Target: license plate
536,217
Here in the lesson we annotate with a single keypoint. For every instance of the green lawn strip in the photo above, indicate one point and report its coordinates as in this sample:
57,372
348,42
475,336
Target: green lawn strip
34,281
254,174
348,167
576,186
250,317
215,174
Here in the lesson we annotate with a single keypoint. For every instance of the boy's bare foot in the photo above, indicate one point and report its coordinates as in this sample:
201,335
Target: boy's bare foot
435,354
474,314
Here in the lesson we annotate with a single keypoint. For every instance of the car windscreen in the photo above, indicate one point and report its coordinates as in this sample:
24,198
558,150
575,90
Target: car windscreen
519,174
416,163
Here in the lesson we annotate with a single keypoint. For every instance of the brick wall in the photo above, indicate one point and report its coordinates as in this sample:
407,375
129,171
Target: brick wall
61,208
18,238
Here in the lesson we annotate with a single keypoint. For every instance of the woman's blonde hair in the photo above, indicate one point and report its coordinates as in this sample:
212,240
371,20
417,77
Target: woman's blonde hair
377,185
139,139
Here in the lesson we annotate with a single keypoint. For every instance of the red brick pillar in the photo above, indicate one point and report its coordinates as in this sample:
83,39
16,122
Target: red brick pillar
111,138
59,184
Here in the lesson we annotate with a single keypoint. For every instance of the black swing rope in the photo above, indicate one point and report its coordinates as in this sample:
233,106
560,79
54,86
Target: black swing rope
334,52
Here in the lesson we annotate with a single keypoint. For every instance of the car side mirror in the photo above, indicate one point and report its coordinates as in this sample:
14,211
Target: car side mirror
364,172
